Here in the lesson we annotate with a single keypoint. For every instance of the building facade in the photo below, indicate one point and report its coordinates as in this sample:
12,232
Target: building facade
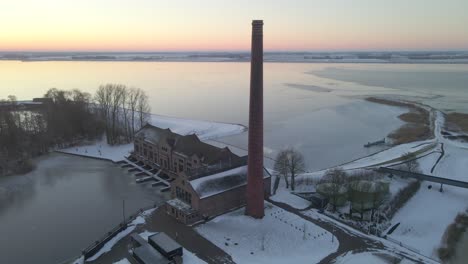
179,155
207,180
211,195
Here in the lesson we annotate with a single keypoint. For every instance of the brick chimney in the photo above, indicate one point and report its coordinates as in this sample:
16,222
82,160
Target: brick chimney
255,192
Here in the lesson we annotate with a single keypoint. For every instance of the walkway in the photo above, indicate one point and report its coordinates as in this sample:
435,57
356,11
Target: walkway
424,177
350,241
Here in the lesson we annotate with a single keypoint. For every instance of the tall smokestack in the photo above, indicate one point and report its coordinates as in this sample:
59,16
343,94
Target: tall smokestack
255,192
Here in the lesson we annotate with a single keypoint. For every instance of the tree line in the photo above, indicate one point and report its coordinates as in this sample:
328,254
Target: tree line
65,118
124,110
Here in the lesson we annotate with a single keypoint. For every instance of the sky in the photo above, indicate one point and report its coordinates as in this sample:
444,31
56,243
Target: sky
225,25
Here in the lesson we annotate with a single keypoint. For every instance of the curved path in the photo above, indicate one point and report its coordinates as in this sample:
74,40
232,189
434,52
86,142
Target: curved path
350,240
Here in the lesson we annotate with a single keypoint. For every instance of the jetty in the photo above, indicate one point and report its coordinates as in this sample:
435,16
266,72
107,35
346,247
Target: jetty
146,173
375,143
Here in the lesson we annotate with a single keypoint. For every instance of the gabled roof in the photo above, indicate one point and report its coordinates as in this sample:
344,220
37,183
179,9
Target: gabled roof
222,181
188,145
155,134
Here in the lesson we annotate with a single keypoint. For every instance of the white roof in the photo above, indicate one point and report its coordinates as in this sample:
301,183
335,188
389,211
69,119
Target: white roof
222,181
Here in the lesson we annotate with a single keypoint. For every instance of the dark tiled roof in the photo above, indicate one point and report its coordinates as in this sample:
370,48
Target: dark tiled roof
188,145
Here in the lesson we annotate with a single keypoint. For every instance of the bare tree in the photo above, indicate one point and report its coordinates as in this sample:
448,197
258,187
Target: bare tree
143,107
133,96
124,102
281,168
117,96
120,107
289,163
103,98
296,165
336,180
12,99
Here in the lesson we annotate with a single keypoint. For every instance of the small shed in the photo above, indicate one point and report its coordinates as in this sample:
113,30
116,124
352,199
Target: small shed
137,240
165,245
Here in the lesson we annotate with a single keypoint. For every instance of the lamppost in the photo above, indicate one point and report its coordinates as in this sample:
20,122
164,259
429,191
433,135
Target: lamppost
333,234
123,210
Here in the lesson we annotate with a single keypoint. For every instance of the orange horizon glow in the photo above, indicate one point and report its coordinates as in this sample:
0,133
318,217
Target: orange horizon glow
178,25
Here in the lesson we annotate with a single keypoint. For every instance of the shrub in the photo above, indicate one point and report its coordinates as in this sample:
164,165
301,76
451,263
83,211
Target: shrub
452,236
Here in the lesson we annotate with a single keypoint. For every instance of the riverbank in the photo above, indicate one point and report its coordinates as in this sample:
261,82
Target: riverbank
418,122
426,219
419,125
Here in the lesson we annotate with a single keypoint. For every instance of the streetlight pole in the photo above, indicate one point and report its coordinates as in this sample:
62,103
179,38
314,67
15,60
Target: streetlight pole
123,209
333,234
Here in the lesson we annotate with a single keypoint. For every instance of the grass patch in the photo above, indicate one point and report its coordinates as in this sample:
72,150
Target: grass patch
418,122
457,122
410,133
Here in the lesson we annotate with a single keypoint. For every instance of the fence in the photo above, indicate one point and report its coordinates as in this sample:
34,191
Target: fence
99,244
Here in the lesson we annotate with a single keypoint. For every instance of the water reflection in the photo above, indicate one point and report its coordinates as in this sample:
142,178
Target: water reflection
63,206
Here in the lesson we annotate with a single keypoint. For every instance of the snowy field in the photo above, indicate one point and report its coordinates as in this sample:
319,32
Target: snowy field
278,238
205,130
389,156
384,158
284,195
425,217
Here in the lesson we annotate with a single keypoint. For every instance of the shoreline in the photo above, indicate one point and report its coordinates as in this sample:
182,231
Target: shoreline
418,123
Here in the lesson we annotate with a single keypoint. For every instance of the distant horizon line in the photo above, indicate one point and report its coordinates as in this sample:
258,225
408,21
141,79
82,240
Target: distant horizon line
227,51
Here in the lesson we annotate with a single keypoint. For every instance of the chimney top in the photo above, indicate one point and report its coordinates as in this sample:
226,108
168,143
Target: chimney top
257,22
257,27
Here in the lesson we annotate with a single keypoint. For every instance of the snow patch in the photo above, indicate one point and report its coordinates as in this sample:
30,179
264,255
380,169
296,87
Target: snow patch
277,238
285,196
123,261
205,130
131,226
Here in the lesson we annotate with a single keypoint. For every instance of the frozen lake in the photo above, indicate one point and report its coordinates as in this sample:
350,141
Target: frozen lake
323,117
69,202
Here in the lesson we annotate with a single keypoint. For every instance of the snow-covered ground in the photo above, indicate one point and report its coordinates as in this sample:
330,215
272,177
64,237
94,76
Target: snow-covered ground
425,217
123,261
205,130
277,238
389,156
284,195
384,158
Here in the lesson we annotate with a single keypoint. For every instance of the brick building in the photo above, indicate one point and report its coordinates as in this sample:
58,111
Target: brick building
198,198
179,155
207,180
